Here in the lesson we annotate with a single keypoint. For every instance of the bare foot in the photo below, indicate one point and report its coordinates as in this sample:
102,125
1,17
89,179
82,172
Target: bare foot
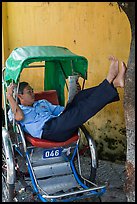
113,69
119,81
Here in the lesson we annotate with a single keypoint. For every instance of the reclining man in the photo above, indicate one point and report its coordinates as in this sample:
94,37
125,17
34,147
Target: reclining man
44,120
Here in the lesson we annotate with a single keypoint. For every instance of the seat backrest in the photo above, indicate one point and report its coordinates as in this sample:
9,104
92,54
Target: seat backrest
50,96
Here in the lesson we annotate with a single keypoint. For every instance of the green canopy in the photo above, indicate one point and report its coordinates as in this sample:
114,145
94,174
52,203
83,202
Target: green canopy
59,64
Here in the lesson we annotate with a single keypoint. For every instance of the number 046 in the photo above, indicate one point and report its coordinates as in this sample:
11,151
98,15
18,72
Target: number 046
52,153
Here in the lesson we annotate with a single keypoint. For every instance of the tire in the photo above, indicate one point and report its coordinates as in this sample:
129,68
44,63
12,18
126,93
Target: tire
7,192
7,189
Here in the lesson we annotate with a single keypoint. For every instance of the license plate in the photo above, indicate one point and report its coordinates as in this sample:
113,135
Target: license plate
52,153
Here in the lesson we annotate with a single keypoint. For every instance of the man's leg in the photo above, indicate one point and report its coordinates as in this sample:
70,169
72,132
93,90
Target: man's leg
113,72
85,94
80,96
62,127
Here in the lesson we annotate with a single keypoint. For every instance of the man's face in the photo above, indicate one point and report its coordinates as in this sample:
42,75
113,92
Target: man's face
28,97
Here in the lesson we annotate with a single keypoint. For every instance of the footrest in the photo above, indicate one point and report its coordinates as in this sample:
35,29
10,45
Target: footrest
78,194
59,183
55,169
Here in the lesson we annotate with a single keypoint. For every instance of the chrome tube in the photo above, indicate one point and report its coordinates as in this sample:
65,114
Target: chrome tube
92,146
4,98
75,192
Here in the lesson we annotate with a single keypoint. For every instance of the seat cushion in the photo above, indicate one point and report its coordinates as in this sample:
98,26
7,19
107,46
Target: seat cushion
47,143
50,96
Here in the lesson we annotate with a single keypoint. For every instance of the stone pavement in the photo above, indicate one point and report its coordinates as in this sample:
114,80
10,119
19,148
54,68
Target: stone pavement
114,175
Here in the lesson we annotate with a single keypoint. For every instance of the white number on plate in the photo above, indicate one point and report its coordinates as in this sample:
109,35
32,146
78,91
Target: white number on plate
52,153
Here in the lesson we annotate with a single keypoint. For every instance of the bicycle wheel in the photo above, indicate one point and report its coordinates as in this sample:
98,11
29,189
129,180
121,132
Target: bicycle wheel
7,189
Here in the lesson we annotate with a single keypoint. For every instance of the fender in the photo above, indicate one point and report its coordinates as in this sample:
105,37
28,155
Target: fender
92,146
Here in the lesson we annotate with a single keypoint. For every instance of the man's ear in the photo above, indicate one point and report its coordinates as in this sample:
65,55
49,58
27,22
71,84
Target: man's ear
20,96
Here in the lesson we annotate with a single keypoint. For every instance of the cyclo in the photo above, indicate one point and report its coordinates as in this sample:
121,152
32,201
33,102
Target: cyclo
56,171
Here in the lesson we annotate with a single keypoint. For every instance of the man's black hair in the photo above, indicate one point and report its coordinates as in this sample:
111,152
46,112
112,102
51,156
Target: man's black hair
22,86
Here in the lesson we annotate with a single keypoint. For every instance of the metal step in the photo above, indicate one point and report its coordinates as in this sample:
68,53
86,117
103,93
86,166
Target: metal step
55,169
40,161
36,157
59,183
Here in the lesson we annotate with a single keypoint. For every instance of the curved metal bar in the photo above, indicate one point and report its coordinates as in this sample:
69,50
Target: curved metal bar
32,175
91,190
91,145
7,145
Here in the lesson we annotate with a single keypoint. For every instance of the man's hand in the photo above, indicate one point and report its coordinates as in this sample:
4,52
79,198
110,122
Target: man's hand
18,113
10,89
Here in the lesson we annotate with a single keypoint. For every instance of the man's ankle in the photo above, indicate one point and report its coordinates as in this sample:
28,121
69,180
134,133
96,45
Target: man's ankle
110,80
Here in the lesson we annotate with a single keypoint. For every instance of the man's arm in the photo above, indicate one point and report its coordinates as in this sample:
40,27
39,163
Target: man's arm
16,110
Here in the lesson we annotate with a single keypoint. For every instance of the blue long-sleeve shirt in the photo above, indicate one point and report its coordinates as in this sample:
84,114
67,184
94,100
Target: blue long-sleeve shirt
35,116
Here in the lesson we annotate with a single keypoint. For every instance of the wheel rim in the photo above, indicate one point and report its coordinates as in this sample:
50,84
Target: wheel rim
5,189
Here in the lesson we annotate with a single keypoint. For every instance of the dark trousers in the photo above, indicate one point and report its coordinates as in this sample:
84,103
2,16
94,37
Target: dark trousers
84,106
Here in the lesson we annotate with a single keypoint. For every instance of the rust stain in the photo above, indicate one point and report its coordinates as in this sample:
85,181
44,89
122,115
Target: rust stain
110,140
130,177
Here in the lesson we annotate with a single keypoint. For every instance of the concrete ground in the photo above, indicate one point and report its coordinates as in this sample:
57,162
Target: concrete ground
113,175
110,174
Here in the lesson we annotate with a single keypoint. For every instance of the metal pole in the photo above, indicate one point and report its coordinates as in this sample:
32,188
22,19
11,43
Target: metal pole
4,98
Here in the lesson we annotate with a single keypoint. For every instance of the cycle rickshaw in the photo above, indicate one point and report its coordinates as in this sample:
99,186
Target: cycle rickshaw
55,170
